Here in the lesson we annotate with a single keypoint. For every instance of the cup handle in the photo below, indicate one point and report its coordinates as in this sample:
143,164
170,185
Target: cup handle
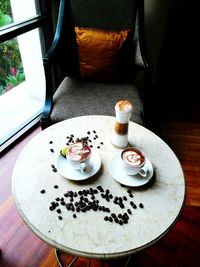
83,167
144,171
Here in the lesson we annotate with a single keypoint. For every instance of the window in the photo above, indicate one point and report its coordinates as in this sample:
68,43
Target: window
22,82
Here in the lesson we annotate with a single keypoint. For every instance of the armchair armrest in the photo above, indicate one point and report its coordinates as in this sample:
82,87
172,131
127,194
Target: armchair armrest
141,55
48,66
52,50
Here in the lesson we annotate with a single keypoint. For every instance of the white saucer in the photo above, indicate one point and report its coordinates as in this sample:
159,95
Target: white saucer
117,172
65,169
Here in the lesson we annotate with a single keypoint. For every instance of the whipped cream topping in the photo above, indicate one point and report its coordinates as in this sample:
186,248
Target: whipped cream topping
124,106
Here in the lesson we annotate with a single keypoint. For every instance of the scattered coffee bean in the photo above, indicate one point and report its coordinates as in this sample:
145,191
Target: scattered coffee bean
85,200
141,205
51,142
129,211
106,218
54,170
110,219
42,191
51,149
100,188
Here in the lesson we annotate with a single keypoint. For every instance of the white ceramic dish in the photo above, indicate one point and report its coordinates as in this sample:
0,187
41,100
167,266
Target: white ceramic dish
117,172
66,170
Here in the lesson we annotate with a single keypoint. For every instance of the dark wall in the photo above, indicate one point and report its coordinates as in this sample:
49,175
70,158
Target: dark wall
179,64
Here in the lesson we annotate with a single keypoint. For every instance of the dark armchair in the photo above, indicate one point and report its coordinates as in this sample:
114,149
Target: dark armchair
88,89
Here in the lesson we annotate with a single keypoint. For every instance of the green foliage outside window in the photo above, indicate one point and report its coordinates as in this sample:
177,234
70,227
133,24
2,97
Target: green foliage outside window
11,68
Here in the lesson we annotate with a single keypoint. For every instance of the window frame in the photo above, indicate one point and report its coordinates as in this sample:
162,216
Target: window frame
41,21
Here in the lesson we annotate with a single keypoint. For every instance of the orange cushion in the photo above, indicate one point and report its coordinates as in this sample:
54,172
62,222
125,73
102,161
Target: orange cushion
99,53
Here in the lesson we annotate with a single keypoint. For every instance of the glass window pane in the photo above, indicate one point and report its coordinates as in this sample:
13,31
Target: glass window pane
16,10
25,101
11,66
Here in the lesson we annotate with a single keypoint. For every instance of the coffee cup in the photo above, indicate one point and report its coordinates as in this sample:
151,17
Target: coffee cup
78,156
133,162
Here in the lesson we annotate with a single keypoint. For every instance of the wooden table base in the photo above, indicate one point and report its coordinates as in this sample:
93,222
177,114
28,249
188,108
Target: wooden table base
68,260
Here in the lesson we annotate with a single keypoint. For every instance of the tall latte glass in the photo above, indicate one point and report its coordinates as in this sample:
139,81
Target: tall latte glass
123,111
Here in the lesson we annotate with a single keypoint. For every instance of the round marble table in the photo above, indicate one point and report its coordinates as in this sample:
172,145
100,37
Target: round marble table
37,186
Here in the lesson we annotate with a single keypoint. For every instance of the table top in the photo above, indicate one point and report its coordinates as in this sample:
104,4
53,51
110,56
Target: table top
43,196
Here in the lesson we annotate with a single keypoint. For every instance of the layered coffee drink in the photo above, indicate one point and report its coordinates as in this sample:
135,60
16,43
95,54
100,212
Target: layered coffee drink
78,152
133,157
123,111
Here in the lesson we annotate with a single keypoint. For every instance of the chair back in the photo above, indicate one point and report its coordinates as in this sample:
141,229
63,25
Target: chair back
103,14
111,15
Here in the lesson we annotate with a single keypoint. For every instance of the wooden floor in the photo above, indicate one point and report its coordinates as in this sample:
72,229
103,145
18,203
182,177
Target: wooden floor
180,247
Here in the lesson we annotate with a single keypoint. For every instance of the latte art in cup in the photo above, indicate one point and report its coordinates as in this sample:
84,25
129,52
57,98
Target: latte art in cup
78,152
133,162
133,157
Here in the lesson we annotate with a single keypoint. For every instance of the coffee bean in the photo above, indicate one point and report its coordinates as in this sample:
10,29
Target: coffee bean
74,216
110,219
125,198
60,217
116,220
42,191
100,188
94,131
56,186
50,142
129,211
52,150
78,209
101,143
141,205
52,166
98,147
58,211
54,170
